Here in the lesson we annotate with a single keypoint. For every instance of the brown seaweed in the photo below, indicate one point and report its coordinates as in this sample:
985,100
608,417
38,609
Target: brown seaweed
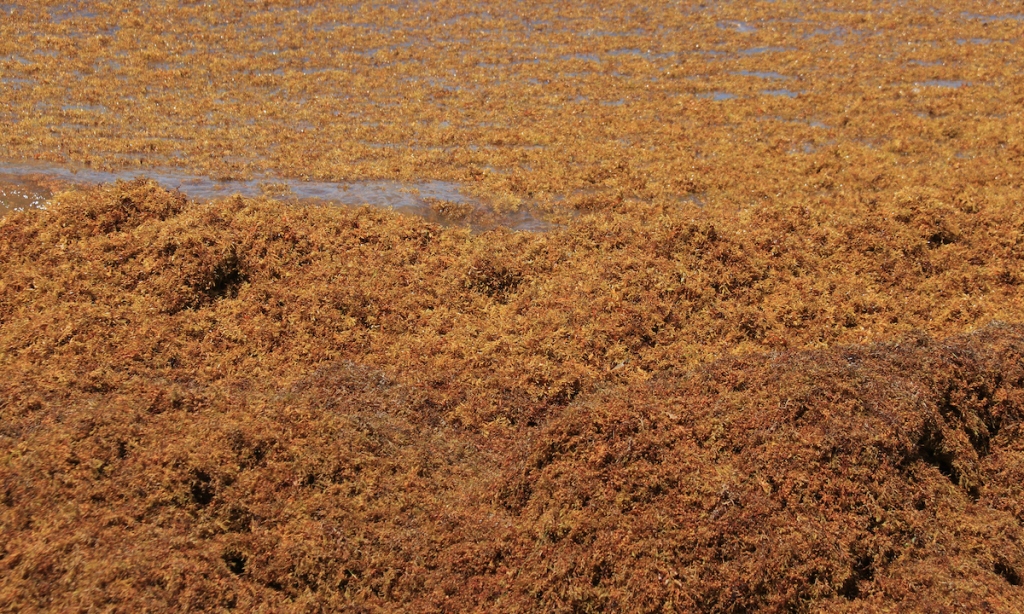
245,402
768,357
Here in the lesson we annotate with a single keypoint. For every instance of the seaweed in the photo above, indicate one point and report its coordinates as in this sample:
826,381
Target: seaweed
385,413
765,354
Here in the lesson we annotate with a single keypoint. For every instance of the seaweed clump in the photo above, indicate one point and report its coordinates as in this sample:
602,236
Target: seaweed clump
242,402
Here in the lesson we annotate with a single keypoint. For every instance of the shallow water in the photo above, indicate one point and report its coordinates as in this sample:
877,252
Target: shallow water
762,74
944,83
23,185
717,96
20,193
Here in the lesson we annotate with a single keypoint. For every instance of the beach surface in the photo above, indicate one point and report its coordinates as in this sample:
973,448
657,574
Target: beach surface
452,306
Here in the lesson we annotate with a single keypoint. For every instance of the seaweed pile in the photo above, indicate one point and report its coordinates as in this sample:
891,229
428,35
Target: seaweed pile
243,402
766,355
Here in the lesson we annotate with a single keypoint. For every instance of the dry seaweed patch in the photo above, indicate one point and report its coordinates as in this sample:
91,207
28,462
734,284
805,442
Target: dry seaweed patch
781,483
500,322
243,402
804,481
